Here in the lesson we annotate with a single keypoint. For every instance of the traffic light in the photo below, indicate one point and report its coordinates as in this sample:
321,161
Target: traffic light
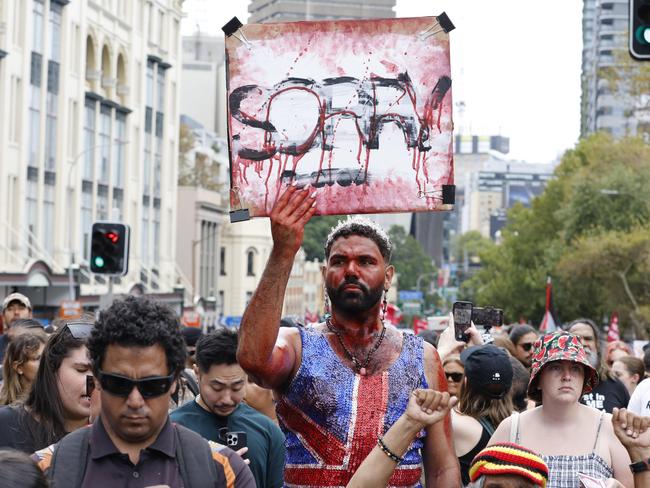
640,29
109,248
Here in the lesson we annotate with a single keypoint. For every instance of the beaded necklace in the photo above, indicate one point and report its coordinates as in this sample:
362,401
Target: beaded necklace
359,367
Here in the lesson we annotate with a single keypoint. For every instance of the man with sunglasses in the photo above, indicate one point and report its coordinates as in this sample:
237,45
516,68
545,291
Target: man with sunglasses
138,353
523,336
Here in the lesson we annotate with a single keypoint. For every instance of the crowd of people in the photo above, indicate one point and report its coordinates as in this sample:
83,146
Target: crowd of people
131,398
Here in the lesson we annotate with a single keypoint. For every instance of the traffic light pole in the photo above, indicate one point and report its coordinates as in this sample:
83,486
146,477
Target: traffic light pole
110,290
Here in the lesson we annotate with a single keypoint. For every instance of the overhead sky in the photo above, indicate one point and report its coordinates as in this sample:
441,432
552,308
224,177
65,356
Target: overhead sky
515,65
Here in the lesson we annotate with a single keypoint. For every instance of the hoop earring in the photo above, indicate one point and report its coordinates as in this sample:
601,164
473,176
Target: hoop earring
326,303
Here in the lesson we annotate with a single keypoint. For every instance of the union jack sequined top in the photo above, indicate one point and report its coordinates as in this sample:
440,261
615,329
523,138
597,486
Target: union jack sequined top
332,417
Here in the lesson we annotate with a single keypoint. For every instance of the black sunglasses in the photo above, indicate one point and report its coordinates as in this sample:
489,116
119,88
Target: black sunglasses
526,346
80,330
455,377
122,386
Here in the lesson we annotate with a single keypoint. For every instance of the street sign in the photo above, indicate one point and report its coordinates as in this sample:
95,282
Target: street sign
70,309
232,321
410,296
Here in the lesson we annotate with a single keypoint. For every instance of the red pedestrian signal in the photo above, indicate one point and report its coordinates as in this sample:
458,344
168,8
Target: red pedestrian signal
109,248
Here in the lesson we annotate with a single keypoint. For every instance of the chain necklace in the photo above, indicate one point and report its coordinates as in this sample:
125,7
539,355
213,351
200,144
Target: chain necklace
360,368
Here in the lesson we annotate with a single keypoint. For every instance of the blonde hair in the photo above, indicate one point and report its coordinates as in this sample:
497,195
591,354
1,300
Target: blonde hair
19,351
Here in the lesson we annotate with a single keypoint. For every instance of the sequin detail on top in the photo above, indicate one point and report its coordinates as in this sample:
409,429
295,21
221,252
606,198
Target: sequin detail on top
332,417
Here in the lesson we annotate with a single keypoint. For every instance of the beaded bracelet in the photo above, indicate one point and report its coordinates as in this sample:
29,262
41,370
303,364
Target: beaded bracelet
382,445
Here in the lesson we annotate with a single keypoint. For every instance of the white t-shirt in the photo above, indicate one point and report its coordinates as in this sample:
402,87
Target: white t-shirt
640,400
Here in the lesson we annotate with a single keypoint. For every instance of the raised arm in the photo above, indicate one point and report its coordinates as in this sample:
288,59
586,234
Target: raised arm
269,360
634,433
441,466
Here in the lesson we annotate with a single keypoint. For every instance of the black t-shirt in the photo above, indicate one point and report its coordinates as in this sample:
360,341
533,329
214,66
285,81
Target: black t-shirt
608,394
17,430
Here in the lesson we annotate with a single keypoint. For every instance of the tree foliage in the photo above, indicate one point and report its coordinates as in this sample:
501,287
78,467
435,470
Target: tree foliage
589,230
410,261
316,232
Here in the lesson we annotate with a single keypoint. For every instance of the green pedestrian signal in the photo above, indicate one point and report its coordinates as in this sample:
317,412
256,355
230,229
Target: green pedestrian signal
639,38
109,248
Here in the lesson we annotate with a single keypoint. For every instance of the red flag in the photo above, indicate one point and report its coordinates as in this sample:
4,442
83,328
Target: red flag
549,324
613,333
393,314
419,325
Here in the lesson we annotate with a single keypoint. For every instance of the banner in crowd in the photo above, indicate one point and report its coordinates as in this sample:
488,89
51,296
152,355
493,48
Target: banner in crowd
360,109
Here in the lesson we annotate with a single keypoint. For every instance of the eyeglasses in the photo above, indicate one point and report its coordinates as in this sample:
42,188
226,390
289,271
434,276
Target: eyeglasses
80,330
122,386
526,346
455,377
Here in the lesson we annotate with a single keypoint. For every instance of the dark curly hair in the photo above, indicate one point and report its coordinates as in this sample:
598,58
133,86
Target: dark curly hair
363,227
141,322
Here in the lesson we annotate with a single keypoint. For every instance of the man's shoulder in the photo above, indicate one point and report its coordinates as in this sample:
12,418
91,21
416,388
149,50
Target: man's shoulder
249,415
187,410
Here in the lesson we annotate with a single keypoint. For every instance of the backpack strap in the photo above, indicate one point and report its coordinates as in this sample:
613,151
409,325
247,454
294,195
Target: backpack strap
487,425
194,457
69,460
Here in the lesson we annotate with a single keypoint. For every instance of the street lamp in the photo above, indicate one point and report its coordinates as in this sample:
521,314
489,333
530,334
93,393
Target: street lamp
73,165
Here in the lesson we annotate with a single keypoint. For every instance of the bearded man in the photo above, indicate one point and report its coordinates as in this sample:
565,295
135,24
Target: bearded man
341,384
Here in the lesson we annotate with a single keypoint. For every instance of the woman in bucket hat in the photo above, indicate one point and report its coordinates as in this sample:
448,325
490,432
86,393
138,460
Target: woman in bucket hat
574,440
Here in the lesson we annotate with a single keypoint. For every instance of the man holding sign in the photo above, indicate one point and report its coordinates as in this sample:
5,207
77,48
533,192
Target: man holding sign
341,384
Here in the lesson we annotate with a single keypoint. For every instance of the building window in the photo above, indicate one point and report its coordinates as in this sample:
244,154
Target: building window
89,138
120,135
86,217
55,31
156,232
48,217
37,31
222,261
104,143
14,103
51,115
35,108
250,262
144,245
32,212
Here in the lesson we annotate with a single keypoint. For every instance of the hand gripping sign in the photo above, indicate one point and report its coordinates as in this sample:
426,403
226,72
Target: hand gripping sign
358,108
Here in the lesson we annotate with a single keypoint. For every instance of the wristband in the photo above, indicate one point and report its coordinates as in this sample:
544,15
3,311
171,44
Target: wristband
640,466
388,452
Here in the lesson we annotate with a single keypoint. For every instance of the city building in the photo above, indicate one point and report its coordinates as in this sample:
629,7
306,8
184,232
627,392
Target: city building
604,36
88,131
497,186
435,231
293,10
203,87
202,211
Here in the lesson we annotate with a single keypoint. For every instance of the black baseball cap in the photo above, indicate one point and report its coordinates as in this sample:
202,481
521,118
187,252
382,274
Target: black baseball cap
191,335
488,369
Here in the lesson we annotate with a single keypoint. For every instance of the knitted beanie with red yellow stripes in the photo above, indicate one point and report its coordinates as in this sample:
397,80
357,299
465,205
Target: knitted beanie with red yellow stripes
509,458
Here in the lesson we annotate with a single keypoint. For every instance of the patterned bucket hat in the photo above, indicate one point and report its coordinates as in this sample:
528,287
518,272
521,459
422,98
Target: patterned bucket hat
559,346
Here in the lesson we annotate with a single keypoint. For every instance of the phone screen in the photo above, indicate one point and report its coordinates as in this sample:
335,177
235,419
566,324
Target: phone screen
462,319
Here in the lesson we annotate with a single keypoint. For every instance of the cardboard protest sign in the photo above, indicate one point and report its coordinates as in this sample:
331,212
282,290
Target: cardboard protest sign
359,109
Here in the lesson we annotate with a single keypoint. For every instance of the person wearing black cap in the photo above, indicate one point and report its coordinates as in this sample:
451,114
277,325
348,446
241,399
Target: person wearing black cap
484,401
